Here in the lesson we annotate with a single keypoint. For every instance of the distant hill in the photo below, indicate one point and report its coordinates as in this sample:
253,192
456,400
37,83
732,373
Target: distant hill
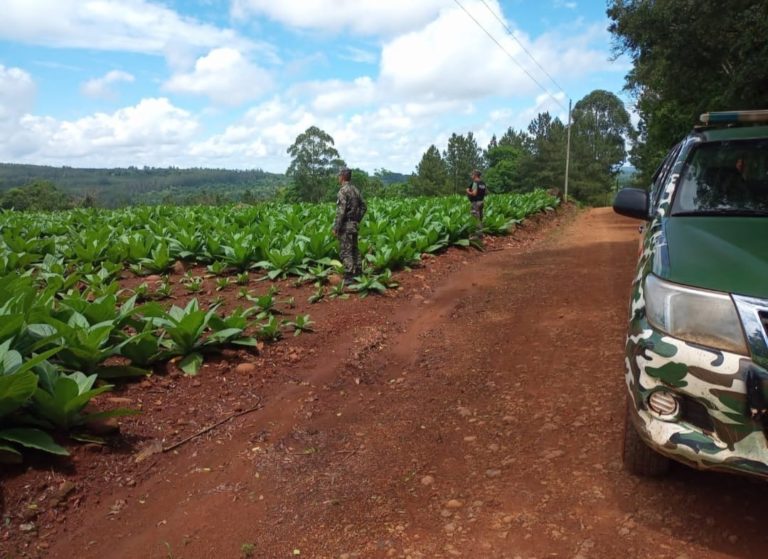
626,176
147,185
391,177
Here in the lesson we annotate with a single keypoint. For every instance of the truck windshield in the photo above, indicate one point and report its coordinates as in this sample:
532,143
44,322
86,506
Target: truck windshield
724,178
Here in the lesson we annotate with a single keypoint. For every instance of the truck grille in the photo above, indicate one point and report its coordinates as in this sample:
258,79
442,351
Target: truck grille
697,414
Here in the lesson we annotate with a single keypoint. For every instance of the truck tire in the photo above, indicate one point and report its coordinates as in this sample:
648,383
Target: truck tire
639,458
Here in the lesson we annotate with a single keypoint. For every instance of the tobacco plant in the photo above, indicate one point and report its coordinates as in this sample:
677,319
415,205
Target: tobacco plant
60,399
300,324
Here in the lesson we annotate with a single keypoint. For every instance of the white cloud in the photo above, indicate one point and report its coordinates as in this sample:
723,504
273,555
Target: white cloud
147,132
225,76
577,54
123,25
450,64
101,88
259,139
365,17
437,108
235,143
297,67
499,120
355,54
336,95
448,58
544,103
17,93
393,136
452,58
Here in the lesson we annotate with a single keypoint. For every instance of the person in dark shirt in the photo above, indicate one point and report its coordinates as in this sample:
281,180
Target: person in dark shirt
476,194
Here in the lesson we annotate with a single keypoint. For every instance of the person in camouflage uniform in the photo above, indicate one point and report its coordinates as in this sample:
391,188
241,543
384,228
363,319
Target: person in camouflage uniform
476,194
350,209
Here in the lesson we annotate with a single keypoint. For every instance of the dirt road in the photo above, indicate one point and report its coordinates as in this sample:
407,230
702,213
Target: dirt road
478,416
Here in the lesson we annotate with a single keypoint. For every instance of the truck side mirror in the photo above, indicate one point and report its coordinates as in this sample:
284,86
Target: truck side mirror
632,202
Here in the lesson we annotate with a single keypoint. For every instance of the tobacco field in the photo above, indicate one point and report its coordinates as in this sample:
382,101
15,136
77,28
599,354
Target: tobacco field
69,325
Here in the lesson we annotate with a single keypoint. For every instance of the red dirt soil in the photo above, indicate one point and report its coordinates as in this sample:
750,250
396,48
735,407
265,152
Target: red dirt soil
475,412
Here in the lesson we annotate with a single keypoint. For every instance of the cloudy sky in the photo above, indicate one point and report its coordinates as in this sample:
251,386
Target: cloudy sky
231,83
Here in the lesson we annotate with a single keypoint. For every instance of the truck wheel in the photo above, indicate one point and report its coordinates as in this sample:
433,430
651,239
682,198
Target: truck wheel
639,458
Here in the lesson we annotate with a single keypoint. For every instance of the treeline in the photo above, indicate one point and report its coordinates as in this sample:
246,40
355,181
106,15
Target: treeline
523,160
36,187
688,58
518,161
21,184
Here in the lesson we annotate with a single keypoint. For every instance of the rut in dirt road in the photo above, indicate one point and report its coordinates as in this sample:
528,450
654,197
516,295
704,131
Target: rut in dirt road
481,419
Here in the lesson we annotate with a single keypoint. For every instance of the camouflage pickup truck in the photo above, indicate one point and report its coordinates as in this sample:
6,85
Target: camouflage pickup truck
697,346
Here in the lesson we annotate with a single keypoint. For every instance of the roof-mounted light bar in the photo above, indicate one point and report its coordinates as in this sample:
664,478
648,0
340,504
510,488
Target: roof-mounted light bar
725,117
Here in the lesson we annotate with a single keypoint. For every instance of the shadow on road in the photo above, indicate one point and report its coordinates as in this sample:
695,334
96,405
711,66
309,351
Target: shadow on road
719,512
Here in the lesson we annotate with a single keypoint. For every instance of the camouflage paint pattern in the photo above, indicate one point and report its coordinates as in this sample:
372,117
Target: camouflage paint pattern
350,209
349,253
476,209
715,379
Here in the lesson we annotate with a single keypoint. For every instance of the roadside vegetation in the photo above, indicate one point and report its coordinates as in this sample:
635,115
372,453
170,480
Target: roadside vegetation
688,58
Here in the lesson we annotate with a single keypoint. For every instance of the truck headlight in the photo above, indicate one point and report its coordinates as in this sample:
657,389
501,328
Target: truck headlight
704,317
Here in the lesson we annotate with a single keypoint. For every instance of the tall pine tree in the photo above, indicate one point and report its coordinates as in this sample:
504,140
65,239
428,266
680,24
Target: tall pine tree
431,174
462,156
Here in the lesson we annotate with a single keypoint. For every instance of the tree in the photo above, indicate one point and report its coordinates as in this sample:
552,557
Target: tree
493,143
369,186
15,199
461,156
431,174
314,161
689,58
515,139
34,196
543,162
503,174
601,130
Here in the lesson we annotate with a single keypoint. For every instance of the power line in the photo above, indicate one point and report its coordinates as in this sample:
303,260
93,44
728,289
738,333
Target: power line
540,105
527,73
522,46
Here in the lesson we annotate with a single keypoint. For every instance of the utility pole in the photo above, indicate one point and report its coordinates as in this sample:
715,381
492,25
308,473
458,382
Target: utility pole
567,153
